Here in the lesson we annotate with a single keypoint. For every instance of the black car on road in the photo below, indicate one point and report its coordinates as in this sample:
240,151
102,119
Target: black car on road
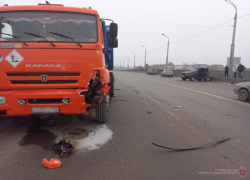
196,73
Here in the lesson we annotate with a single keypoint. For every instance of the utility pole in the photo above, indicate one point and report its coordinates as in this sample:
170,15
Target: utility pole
233,39
123,63
145,57
134,59
167,51
128,62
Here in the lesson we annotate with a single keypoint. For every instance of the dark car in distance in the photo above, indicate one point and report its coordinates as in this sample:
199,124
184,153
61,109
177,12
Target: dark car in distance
151,71
196,73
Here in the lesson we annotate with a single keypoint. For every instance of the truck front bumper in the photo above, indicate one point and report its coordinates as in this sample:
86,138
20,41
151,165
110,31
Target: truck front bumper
43,98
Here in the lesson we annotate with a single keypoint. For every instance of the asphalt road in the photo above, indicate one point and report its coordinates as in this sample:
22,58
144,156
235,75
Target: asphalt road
141,113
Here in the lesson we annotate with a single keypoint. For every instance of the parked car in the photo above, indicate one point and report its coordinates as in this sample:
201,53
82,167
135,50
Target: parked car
167,72
196,73
151,71
243,90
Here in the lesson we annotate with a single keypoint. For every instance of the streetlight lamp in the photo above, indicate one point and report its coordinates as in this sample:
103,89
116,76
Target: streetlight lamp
232,45
145,57
128,62
134,59
167,50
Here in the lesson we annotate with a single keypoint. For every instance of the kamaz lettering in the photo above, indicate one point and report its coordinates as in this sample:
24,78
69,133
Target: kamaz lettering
43,65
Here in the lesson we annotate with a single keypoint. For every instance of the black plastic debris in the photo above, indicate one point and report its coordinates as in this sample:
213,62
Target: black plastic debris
188,149
137,92
63,147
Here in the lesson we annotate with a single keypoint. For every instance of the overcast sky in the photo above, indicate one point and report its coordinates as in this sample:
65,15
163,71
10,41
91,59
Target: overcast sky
143,22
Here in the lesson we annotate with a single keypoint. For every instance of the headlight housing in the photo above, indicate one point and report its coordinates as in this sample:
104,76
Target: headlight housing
2,100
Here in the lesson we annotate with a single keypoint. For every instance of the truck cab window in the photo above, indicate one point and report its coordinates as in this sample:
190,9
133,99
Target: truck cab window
81,27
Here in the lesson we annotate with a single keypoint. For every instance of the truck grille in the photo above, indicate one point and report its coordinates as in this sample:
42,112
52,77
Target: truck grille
48,82
45,101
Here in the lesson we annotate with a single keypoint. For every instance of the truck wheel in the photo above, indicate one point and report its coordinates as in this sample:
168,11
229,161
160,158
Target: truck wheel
243,95
207,78
112,82
192,78
183,79
102,109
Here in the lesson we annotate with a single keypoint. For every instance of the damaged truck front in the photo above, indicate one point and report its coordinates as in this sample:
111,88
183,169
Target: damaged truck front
53,60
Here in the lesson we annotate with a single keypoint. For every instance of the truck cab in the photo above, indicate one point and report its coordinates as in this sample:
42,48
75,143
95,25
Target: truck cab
53,61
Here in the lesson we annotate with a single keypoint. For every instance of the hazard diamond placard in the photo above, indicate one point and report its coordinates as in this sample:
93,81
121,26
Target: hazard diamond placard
14,58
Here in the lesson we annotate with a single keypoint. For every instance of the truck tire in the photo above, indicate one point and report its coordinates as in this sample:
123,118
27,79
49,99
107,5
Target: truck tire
102,109
112,83
183,79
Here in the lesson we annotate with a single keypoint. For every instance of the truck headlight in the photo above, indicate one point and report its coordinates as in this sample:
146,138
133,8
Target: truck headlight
2,100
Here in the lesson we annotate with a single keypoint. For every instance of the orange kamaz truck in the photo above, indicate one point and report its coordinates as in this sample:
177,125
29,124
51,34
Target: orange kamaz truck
55,60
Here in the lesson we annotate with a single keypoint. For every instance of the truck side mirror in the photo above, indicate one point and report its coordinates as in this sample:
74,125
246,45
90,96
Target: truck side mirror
113,42
113,30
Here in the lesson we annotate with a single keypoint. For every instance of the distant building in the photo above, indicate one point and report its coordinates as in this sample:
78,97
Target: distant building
163,66
217,67
183,67
190,66
200,66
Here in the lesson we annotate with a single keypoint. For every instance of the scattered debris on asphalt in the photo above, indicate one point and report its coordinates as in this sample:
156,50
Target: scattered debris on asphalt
172,125
53,163
137,92
122,100
64,147
117,89
149,112
200,147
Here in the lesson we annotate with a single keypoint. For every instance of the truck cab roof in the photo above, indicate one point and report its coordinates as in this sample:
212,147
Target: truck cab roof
48,7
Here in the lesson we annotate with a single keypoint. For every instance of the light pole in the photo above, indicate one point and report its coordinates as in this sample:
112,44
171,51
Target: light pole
123,63
145,57
167,50
134,59
232,45
128,62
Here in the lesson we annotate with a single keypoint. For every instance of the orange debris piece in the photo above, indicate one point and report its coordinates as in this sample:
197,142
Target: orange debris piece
53,163
176,106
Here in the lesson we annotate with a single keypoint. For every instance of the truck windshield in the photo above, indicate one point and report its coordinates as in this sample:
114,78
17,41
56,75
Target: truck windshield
81,27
